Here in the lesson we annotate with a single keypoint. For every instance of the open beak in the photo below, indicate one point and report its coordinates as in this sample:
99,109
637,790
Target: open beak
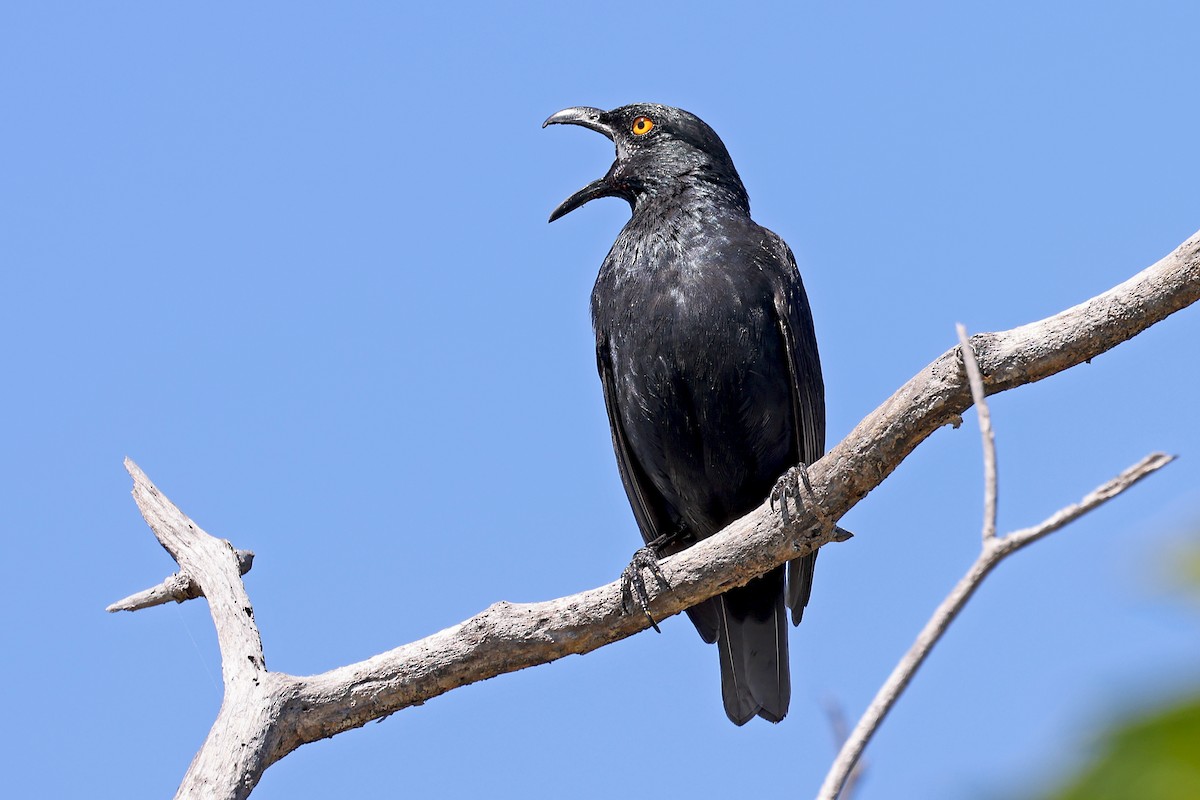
597,188
593,119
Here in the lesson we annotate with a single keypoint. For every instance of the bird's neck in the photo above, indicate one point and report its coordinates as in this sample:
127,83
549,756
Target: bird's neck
702,192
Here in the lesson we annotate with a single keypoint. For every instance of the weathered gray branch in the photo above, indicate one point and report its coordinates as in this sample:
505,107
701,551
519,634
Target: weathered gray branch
266,715
994,551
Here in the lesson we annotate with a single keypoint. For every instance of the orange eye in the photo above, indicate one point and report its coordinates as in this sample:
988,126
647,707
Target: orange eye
642,125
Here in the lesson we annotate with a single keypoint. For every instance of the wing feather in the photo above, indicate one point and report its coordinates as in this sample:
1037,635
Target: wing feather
808,400
649,509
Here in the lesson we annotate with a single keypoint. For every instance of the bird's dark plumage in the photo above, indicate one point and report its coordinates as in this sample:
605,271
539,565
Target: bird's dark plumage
707,356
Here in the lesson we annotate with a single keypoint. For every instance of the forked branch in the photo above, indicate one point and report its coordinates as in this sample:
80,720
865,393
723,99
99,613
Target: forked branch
994,551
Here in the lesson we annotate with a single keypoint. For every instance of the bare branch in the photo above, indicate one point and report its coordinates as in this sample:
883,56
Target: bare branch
1098,496
985,431
214,565
265,715
507,637
994,551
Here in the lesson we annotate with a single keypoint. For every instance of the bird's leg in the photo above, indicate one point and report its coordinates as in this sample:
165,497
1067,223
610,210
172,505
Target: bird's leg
660,543
633,585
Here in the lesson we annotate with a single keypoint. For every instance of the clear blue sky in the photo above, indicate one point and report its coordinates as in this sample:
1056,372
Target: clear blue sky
293,260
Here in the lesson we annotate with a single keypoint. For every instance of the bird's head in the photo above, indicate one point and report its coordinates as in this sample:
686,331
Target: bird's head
660,151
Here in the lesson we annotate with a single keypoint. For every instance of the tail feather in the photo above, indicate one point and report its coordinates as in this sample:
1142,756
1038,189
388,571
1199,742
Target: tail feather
752,639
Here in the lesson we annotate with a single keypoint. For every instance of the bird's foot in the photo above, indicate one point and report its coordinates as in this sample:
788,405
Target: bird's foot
788,486
633,584
795,484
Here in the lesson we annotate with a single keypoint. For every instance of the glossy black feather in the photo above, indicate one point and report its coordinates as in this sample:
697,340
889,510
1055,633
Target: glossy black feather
711,377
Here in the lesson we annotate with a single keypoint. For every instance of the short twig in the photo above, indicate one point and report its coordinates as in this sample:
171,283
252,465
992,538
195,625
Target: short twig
985,430
174,588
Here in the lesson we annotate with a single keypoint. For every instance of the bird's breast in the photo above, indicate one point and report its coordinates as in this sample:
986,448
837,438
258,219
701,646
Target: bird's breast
670,290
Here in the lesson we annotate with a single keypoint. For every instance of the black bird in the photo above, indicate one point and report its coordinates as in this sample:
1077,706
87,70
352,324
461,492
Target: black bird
706,351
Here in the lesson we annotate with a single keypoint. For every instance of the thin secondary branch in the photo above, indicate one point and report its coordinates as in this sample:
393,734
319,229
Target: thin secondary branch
994,551
985,431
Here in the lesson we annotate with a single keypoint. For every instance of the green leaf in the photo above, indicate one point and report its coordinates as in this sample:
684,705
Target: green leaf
1156,757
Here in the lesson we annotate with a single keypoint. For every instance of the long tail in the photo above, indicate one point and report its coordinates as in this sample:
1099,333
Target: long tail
752,639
